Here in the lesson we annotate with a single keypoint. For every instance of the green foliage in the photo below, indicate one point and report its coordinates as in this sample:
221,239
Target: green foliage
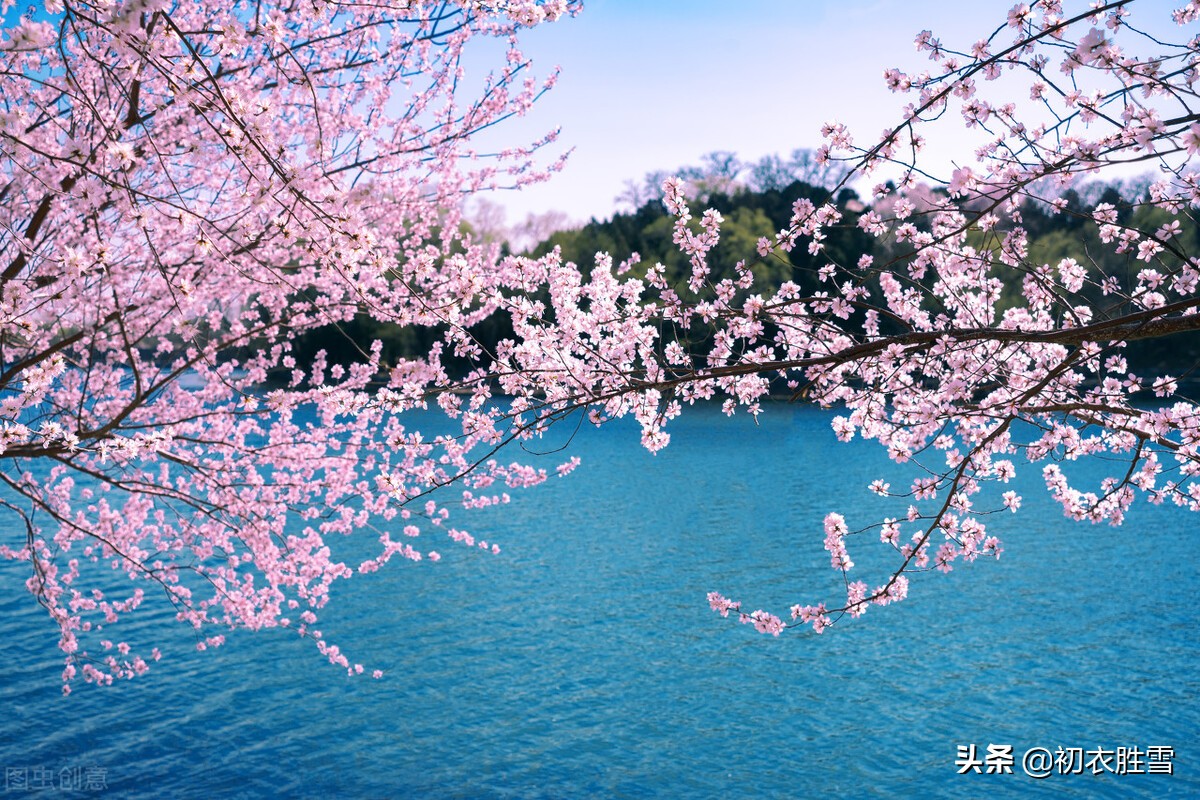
748,216
1054,235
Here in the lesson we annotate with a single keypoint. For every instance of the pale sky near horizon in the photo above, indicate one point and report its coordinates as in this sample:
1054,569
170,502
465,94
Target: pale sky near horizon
654,84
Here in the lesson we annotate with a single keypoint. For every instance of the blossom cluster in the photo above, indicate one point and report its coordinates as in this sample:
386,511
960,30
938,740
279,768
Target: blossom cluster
189,187
922,344
186,188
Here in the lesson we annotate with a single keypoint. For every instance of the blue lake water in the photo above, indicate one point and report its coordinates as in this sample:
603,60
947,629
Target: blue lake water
584,662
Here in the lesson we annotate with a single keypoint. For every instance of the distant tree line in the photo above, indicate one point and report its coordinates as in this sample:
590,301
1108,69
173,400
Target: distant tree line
755,202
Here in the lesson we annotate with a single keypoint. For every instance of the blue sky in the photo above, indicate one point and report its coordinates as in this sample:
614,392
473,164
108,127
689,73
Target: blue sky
653,84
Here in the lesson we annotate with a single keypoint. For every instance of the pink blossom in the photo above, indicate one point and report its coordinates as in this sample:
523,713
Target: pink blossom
156,346
722,605
766,623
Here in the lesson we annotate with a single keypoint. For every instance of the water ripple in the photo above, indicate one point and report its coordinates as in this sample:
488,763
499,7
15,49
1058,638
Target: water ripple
583,662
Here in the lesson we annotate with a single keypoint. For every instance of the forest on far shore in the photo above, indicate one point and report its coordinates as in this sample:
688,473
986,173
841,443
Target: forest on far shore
756,200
